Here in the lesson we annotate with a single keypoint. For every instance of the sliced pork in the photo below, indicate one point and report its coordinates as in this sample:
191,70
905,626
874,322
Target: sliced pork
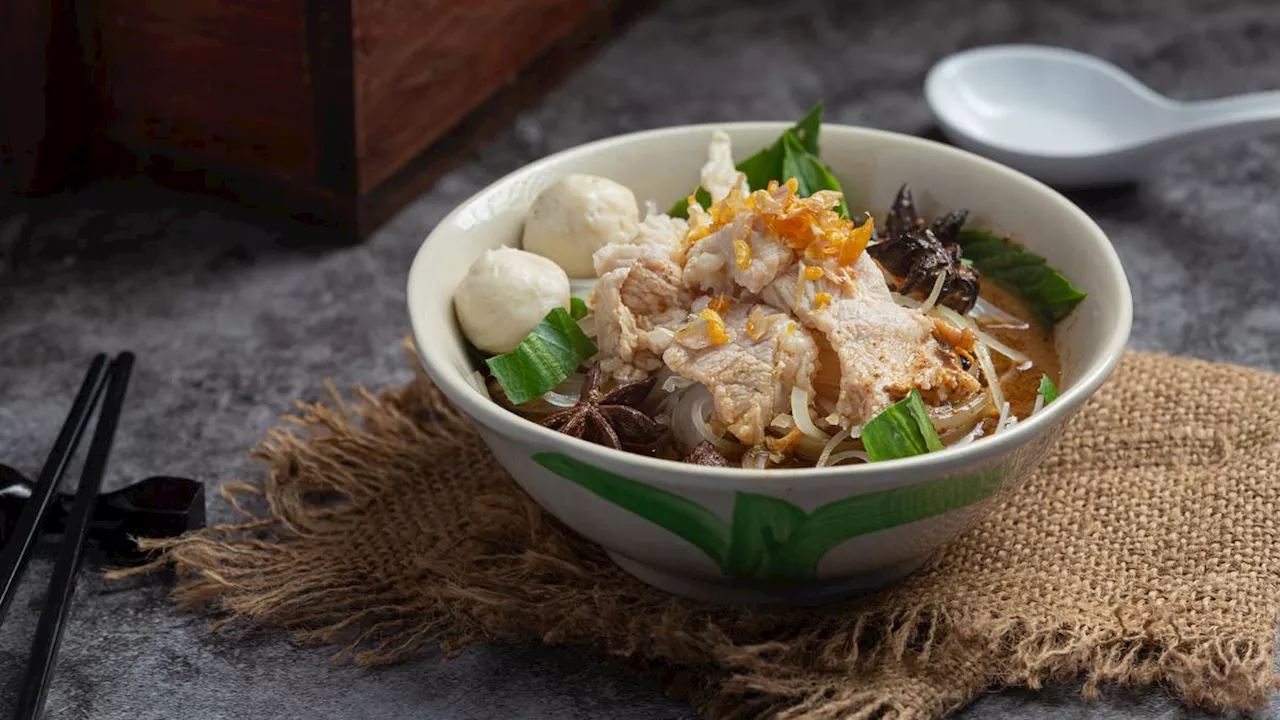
885,350
749,357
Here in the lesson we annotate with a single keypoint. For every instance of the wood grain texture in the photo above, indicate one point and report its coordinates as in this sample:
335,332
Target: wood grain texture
44,117
222,81
329,59
333,111
24,33
496,112
423,65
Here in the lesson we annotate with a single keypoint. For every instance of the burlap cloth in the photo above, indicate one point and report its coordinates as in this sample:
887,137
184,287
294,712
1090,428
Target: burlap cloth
1144,551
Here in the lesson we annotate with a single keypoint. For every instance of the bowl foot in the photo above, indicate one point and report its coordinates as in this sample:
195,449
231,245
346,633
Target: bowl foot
731,592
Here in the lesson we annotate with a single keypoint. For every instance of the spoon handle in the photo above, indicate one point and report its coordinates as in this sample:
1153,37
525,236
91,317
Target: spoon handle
1238,116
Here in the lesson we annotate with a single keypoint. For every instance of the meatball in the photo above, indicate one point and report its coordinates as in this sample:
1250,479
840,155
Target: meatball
576,216
504,296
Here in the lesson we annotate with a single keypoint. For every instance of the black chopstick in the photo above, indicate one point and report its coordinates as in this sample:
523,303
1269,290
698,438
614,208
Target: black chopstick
44,648
16,552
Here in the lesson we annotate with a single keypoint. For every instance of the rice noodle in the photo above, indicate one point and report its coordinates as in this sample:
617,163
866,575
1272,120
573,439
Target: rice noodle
703,427
1004,415
559,400
666,404
674,383
934,294
961,322
807,448
567,393
942,312
689,423
969,437
755,459
990,315
1005,350
971,412
848,455
800,414
587,323
1011,372
804,446
989,373
831,445
905,301
1039,403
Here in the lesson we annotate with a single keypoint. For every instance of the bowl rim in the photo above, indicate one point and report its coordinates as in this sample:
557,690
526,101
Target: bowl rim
899,472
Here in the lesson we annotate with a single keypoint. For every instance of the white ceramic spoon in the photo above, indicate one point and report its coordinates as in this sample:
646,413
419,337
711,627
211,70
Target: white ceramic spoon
1071,119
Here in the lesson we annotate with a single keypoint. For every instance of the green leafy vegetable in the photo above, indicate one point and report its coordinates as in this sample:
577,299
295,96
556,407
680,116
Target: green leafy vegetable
1047,293
578,308
810,174
768,164
793,154
551,353
902,430
806,131
681,209
1048,390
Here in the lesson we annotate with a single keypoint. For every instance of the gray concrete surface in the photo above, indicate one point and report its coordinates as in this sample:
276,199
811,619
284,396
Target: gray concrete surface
234,316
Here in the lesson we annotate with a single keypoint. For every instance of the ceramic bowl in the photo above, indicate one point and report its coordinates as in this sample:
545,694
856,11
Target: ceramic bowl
794,536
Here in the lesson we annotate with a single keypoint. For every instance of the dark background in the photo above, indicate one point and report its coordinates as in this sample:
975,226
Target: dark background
235,315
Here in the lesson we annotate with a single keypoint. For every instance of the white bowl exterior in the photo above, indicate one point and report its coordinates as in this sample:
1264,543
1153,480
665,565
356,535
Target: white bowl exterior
871,165
631,536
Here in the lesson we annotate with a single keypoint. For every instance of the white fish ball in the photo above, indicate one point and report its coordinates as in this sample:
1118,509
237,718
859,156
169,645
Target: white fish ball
576,216
504,296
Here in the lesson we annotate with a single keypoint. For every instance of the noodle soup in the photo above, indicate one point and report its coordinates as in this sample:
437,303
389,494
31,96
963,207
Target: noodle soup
760,322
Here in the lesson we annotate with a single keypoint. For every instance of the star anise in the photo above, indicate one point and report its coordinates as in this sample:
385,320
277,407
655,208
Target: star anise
706,454
918,253
612,419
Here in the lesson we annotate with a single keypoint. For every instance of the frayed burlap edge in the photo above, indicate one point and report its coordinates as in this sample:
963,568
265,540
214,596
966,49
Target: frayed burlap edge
505,571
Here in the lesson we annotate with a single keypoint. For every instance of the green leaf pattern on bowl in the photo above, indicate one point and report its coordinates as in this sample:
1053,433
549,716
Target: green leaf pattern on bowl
770,538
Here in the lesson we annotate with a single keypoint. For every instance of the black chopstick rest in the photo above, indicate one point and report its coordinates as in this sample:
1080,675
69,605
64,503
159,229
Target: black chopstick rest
53,616
156,507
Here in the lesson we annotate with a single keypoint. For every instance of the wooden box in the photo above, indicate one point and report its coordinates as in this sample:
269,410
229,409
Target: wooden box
334,111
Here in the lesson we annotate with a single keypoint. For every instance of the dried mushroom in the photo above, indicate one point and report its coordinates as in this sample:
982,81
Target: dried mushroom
706,454
918,254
